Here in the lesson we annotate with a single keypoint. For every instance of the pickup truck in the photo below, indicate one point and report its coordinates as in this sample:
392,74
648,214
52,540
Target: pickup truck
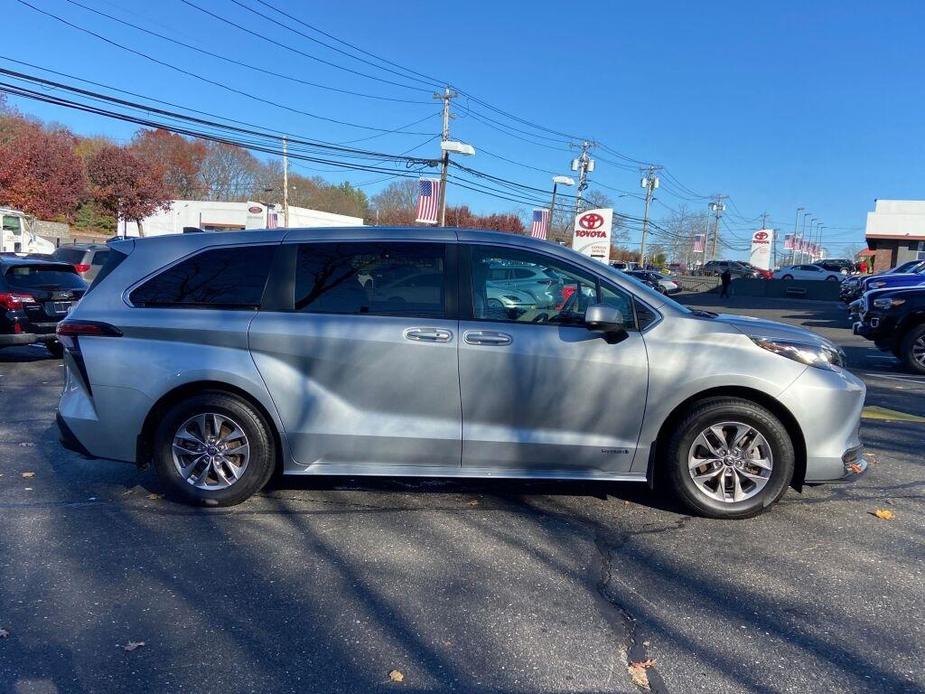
895,321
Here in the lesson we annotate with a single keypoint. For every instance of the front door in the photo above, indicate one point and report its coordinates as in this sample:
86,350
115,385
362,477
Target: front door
541,394
362,367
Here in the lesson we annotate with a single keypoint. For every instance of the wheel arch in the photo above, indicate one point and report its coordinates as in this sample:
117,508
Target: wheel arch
745,393
144,445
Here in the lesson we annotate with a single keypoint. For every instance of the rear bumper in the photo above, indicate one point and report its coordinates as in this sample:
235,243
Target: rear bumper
68,440
18,339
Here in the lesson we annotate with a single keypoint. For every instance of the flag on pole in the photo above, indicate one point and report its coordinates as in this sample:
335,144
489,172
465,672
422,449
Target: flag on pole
428,200
700,241
788,242
540,223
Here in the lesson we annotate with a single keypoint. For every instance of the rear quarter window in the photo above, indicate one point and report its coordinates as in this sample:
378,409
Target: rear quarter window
222,278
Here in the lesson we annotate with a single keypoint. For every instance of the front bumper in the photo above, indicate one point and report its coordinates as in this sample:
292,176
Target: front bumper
827,406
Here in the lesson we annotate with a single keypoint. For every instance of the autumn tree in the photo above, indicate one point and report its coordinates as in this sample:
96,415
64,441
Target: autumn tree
229,172
179,158
396,204
461,216
40,172
124,186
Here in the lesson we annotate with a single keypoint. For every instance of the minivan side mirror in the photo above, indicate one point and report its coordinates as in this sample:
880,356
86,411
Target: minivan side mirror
605,319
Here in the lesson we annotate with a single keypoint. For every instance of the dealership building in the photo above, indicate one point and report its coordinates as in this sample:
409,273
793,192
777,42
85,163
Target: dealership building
215,215
896,232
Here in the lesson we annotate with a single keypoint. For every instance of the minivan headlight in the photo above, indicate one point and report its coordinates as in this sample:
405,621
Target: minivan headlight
820,356
886,302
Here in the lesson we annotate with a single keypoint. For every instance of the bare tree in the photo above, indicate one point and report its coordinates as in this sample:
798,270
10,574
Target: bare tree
396,203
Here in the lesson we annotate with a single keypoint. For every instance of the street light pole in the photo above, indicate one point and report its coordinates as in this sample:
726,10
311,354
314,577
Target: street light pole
556,180
793,239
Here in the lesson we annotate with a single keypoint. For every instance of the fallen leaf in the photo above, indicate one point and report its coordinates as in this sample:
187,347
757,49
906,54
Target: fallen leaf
856,468
28,475
883,514
474,502
4,634
132,645
154,497
27,444
638,673
396,676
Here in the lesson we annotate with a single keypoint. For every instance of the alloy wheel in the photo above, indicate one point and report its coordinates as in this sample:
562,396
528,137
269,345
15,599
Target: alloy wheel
730,462
918,351
210,451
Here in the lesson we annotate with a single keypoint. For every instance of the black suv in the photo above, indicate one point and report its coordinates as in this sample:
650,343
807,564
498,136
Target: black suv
736,269
34,295
87,258
895,321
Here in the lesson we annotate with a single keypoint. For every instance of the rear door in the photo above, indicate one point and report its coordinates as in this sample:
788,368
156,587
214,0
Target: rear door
541,394
361,366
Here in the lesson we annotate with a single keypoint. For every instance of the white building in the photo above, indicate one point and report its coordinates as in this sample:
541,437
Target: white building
213,215
896,232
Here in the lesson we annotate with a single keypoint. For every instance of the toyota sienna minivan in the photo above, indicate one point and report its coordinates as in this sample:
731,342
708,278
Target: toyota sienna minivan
224,357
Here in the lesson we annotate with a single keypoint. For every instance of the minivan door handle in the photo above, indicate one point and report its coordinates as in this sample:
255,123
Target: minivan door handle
487,337
428,335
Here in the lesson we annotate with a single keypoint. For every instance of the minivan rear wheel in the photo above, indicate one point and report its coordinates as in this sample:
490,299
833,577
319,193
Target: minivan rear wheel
214,449
729,458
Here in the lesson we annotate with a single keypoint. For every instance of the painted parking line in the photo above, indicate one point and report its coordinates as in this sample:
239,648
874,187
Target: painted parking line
897,377
888,415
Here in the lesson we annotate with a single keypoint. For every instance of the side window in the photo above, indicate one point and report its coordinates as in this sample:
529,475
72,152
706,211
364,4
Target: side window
229,278
380,279
99,258
546,290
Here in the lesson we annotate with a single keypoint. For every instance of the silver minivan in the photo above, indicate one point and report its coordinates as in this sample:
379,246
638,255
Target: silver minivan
224,357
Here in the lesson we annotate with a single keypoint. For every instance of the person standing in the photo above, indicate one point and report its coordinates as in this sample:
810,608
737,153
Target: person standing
726,279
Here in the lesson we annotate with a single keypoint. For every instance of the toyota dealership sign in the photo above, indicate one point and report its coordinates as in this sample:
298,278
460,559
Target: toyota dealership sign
592,233
762,243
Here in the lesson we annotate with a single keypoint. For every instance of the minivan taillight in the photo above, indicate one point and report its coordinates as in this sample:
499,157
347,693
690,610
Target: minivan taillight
14,302
76,328
82,267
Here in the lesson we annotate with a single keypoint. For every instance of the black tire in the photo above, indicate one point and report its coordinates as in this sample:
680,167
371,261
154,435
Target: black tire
832,278
713,411
260,466
905,350
55,349
787,277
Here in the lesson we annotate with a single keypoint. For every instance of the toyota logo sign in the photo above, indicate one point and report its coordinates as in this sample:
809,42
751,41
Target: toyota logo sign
591,221
761,236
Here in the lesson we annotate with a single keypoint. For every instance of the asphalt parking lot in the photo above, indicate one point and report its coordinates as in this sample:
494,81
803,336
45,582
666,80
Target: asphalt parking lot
331,584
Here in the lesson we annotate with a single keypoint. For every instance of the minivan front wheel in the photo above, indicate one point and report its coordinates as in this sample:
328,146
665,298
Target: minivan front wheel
213,449
729,458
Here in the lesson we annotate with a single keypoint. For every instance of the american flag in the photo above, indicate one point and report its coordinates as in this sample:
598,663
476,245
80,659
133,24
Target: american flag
428,200
788,242
540,223
700,241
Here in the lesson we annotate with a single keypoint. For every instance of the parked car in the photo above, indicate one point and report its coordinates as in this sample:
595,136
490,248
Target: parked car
735,267
34,295
852,287
895,320
677,268
658,281
626,265
543,285
222,358
807,272
842,265
759,271
893,279
87,258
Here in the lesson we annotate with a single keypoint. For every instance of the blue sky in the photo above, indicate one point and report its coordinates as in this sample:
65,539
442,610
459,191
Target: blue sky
779,105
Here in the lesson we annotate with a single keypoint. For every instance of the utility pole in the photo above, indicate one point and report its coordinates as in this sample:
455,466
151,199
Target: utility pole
584,165
446,96
286,182
650,183
718,207
803,233
764,225
793,239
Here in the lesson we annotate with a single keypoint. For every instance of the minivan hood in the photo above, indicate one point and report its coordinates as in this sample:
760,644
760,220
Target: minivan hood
758,327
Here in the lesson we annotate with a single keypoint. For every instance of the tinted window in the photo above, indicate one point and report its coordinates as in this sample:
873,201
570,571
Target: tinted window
99,258
551,292
113,260
69,255
382,279
218,278
43,277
